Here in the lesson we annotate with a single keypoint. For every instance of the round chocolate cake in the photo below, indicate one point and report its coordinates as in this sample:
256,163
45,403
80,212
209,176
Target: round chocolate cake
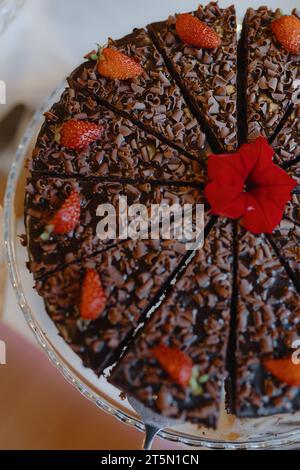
179,112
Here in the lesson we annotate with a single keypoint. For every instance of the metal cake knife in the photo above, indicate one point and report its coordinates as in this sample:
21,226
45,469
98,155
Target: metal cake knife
153,422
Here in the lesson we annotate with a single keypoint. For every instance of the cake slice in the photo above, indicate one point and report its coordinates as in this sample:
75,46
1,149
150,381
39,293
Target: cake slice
271,74
292,210
132,275
49,251
206,76
193,320
287,235
123,151
260,393
287,143
151,100
268,323
287,240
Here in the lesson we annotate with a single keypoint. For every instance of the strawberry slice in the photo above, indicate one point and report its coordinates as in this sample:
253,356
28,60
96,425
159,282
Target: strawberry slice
284,370
116,65
93,299
175,362
66,218
287,32
79,134
195,32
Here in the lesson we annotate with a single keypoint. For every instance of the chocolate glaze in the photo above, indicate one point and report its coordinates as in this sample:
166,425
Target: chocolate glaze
45,195
286,236
208,77
260,393
193,317
124,150
152,100
287,142
272,74
132,275
268,321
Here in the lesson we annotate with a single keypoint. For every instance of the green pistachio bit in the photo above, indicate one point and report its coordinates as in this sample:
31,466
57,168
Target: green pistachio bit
94,57
193,383
45,236
197,390
203,379
197,381
195,371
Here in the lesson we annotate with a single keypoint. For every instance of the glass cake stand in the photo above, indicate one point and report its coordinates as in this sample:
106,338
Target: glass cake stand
232,433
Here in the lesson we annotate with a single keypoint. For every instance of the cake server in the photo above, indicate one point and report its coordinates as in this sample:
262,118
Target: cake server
153,422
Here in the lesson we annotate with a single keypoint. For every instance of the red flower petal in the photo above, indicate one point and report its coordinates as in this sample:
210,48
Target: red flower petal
224,193
226,169
257,158
262,213
225,200
248,184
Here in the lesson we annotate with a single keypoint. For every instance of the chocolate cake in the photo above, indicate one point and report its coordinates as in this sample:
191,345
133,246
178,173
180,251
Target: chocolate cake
286,143
268,321
45,195
260,393
124,150
207,77
286,235
132,274
177,323
286,239
292,211
193,317
153,100
271,74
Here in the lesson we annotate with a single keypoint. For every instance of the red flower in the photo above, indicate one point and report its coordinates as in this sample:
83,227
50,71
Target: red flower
248,185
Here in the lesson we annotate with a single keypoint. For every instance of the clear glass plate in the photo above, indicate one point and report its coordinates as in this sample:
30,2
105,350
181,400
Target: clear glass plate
232,433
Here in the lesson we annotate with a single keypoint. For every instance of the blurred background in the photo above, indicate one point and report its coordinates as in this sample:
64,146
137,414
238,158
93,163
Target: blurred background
41,41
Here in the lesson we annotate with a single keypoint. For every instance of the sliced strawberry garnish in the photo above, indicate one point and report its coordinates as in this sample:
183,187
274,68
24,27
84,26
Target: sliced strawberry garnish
175,362
78,134
195,32
93,299
66,218
287,32
284,370
116,65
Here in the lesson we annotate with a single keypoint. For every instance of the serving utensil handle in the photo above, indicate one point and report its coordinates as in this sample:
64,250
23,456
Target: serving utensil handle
150,433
